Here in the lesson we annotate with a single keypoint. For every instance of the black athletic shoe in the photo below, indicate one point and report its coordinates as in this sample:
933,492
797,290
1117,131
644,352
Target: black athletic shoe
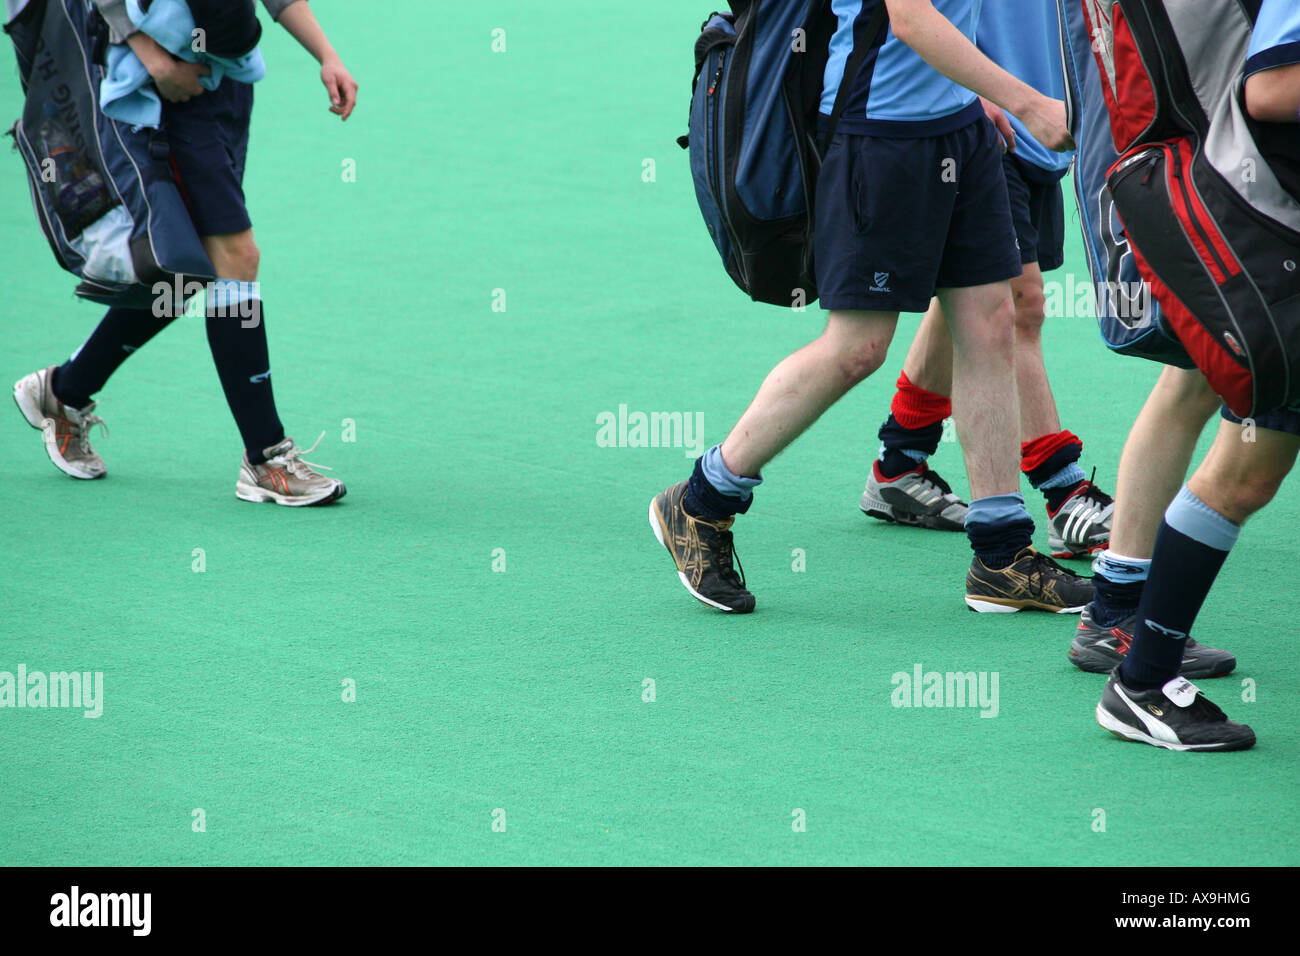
1033,582
1099,650
1176,717
702,550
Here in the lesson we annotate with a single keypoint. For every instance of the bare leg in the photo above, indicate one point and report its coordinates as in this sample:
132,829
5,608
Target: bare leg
1156,456
929,359
1038,414
1240,477
985,405
804,385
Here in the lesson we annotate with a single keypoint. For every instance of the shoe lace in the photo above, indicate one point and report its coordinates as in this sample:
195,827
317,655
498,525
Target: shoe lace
300,466
934,478
81,426
1044,567
726,552
1093,493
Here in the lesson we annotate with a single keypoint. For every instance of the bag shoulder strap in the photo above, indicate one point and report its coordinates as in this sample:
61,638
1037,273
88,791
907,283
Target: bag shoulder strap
867,36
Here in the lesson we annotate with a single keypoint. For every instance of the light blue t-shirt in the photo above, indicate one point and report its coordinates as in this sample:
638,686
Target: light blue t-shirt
1024,38
896,92
1275,40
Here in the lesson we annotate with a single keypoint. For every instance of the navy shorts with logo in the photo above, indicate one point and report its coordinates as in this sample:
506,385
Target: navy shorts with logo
898,218
208,138
1038,212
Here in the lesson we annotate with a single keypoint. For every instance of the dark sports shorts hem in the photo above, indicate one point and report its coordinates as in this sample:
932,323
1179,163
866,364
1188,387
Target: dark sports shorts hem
212,226
1285,420
881,303
987,277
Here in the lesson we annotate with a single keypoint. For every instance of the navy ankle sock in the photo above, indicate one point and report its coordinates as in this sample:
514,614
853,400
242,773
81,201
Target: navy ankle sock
894,463
243,365
1191,546
1112,601
999,528
1058,496
702,500
119,333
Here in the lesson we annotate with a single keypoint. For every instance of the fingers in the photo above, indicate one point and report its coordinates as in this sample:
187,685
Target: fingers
1008,132
343,93
349,97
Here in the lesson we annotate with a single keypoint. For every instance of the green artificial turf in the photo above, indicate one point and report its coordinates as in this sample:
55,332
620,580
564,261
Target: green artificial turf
475,429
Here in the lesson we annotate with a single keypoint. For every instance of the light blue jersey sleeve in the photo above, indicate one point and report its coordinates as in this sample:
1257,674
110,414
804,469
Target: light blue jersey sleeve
1276,38
1024,38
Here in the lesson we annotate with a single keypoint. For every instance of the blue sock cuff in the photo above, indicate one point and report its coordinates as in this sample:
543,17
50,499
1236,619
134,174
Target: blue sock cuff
224,293
998,509
916,454
1189,515
1120,569
722,479
1067,477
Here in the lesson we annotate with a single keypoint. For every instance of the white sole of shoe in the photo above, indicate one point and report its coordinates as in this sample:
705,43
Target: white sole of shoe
657,528
246,492
31,411
991,607
1121,729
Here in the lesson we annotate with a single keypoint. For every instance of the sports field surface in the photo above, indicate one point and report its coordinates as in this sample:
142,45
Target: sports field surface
532,683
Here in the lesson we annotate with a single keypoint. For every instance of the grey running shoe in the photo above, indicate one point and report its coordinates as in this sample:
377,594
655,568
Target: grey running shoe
703,551
1082,524
1176,716
1099,650
918,497
287,479
1033,582
66,430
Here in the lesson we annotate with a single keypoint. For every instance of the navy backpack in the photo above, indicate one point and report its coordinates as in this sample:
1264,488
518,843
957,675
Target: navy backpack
103,191
754,140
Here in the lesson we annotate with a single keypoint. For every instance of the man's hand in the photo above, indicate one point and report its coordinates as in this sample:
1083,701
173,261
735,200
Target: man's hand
999,118
1045,119
301,23
342,88
177,81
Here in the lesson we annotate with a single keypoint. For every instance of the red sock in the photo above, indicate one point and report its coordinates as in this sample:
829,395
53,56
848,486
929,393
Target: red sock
1037,453
915,407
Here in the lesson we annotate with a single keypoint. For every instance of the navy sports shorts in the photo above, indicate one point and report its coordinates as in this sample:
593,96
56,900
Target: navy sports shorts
1038,212
1279,420
899,218
208,138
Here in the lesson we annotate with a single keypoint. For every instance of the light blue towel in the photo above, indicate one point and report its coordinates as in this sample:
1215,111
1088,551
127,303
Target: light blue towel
127,93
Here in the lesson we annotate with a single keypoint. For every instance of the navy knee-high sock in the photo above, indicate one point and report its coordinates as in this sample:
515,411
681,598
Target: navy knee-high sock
119,333
1191,546
238,343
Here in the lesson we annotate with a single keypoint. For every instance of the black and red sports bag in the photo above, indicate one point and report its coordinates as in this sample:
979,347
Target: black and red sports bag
1206,194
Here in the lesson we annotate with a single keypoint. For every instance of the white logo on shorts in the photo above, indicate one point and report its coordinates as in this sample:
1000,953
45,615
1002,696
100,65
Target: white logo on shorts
882,283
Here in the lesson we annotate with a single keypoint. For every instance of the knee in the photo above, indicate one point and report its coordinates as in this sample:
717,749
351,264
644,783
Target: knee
1030,305
1249,493
860,358
995,331
237,257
